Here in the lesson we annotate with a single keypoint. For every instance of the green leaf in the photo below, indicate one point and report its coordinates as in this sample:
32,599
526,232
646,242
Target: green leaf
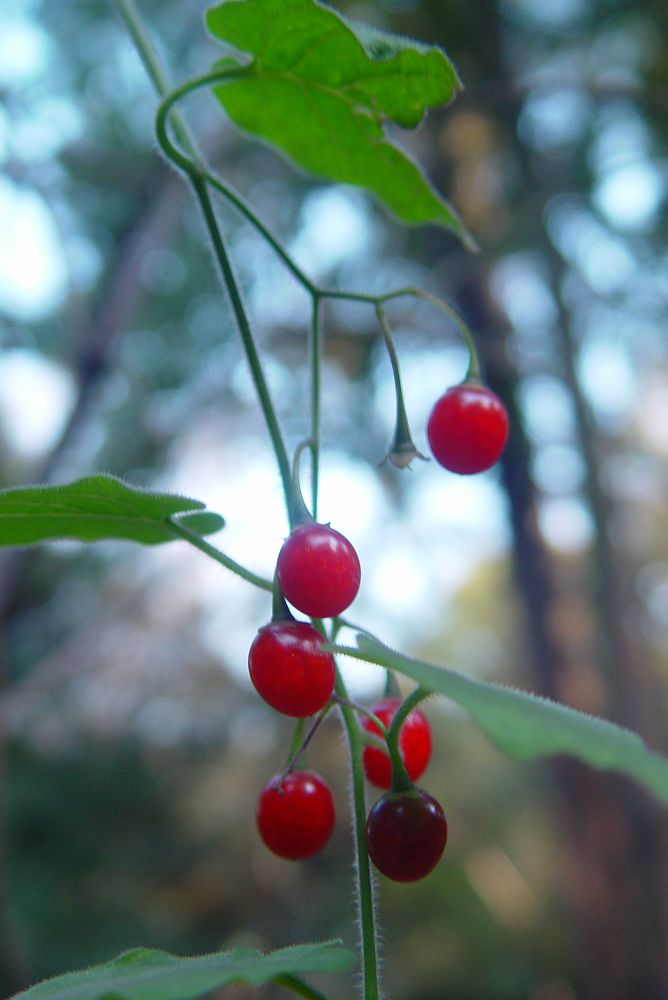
320,88
98,507
526,725
143,974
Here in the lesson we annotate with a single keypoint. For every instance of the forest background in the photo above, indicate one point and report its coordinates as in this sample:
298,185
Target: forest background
132,743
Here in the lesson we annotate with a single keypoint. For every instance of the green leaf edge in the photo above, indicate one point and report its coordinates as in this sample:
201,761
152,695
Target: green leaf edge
369,38
558,728
324,957
191,513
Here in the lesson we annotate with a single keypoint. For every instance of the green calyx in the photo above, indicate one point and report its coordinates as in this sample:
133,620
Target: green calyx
280,612
298,511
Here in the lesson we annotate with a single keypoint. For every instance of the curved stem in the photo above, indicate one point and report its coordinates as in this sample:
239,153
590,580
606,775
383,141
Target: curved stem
167,112
413,699
473,371
154,70
403,449
299,512
364,884
402,417
210,550
401,782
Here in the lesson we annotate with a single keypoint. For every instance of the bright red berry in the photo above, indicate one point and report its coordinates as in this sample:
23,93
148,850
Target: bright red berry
414,743
289,668
318,570
467,428
295,816
406,833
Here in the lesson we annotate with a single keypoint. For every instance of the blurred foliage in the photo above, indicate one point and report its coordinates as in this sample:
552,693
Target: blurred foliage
133,745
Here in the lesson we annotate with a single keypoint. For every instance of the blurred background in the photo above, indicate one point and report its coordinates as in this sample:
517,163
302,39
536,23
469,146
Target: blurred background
132,745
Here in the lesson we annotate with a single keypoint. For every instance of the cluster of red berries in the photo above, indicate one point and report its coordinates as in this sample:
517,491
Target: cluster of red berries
318,572
406,831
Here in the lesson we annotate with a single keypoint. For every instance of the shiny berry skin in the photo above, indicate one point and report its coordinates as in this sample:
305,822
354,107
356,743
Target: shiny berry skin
290,670
296,816
406,833
414,743
318,570
467,429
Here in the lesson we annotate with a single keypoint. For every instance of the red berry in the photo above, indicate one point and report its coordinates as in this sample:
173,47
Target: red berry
467,429
318,570
296,816
406,833
289,668
414,743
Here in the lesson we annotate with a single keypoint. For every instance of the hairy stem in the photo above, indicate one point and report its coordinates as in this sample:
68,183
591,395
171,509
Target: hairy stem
364,885
210,550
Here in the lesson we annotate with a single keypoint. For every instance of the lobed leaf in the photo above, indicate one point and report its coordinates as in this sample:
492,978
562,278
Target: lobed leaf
144,974
320,88
98,507
525,725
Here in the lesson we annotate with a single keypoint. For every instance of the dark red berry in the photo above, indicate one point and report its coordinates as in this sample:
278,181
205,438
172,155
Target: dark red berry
414,743
318,570
289,668
467,429
296,816
406,833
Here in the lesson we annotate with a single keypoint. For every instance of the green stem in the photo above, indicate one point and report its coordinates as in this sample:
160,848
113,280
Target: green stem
165,112
402,416
413,699
297,737
280,612
200,188
403,449
401,782
299,512
364,885
199,543
473,371
128,14
299,743
361,710
195,174
315,358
